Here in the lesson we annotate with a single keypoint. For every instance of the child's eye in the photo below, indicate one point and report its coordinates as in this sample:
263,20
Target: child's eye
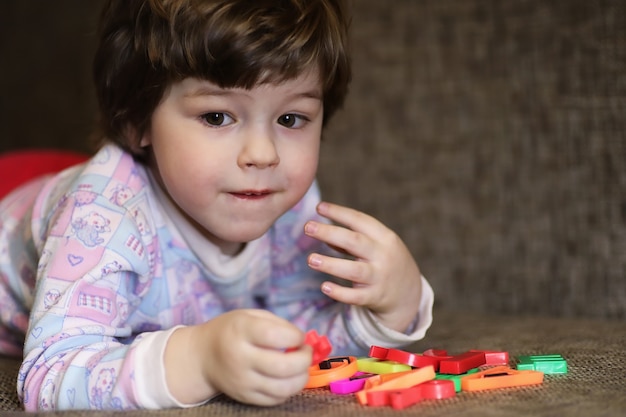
292,121
217,119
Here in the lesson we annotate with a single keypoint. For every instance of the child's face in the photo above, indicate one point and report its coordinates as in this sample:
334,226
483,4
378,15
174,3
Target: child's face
235,160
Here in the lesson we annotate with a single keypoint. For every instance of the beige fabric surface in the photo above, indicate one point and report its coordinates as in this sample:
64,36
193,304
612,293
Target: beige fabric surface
594,386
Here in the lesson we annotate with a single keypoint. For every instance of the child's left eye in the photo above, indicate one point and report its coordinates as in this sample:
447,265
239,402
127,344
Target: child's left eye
292,121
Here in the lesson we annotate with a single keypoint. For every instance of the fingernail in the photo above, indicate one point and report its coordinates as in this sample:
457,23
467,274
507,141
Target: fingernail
326,289
310,228
322,207
315,260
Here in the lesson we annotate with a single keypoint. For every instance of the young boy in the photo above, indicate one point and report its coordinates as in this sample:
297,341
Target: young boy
186,257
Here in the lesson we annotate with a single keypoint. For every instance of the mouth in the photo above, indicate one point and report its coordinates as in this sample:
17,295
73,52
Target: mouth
251,194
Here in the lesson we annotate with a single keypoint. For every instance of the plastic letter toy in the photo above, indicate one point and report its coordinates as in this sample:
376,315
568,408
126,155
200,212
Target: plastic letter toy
494,357
438,389
401,399
462,363
548,364
331,369
398,399
381,378
456,379
500,377
320,344
398,378
437,355
412,359
406,358
407,380
404,397
378,352
350,385
376,366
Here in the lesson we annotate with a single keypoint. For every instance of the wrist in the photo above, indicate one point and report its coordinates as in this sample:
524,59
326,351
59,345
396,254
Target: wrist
184,358
399,321
401,316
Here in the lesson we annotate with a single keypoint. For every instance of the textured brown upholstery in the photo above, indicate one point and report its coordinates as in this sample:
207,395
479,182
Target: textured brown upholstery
491,135
593,386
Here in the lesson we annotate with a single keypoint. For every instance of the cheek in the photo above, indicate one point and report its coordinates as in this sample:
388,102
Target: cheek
303,166
183,177
185,160
189,181
312,159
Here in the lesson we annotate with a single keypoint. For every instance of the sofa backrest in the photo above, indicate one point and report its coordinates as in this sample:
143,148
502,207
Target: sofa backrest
490,135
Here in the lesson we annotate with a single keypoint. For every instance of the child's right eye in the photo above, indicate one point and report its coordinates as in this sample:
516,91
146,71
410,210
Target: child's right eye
217,119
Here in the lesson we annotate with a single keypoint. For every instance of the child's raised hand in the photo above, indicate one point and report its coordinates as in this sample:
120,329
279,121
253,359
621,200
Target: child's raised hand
384,274
242,354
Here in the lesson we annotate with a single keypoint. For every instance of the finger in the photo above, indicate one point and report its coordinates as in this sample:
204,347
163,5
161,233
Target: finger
279,364
351,218
264,314
271,391
280,389
359,295
358,272
264,376
270,331
351,242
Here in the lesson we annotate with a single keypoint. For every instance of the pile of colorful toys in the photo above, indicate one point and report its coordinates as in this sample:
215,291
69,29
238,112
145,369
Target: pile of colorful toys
396,378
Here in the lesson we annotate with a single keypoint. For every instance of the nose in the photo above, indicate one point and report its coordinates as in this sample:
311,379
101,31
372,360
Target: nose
259,150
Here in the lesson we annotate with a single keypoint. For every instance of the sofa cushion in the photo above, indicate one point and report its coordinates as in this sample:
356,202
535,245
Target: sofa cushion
594,384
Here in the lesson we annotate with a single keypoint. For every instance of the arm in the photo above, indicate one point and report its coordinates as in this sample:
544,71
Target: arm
71,360
79,348
78,353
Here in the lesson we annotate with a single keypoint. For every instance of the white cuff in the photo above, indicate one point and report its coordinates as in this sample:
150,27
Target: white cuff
372,332
151,384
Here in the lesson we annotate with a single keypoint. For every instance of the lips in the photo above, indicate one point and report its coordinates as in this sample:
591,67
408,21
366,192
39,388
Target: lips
251,194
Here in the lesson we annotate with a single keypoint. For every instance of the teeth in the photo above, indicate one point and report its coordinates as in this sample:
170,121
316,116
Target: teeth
251,193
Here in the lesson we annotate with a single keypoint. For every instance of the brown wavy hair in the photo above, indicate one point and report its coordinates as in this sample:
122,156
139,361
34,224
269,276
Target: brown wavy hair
146,45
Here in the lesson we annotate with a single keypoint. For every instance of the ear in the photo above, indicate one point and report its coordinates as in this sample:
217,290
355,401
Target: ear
137,141
145,140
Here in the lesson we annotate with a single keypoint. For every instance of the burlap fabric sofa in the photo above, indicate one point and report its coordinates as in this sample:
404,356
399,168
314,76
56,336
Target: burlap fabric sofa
489,134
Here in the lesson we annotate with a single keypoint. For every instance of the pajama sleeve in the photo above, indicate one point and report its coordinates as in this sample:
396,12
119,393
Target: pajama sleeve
80,351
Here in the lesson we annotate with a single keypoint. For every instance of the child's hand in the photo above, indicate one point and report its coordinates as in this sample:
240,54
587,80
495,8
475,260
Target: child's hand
385,277
242,354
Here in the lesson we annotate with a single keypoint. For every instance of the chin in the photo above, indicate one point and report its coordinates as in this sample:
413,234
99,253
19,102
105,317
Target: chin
245,236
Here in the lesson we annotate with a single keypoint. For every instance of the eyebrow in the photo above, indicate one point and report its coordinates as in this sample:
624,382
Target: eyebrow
205,90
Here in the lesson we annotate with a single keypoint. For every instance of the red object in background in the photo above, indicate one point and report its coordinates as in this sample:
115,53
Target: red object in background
19,166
